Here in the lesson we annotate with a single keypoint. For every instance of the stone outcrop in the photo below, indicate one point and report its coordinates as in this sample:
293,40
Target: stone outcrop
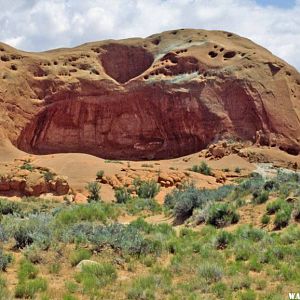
164,96
31,182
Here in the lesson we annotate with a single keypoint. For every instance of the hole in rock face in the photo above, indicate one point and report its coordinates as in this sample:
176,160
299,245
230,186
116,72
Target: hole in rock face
213,54
122,62
229,54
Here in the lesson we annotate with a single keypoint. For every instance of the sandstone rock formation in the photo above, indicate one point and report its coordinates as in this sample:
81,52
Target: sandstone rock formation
164,96
16,180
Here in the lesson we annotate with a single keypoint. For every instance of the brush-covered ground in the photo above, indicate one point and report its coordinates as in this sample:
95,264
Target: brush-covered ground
237,241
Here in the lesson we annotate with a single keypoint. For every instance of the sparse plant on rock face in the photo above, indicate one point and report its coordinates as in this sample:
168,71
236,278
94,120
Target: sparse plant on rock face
48,176
94,190
27,166
100,174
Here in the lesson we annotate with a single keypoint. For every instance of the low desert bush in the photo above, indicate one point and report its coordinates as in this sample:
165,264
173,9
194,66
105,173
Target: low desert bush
9,207
27,270
210,272
142,288
96,276
78,255
27,166
146,189
137,205
260,197
203,168
33,229
223,239
243,250
5,260
94,192
265,219
87,212
282,217
222,214
122,195
99,174
183,202
33,254
276,205
28,289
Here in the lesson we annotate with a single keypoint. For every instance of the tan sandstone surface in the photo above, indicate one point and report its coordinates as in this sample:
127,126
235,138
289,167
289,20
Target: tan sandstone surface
164,96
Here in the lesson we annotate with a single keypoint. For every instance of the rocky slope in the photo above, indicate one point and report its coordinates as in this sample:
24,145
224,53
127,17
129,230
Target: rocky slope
164,96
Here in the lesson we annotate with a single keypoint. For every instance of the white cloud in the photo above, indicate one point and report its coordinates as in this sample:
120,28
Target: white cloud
43,24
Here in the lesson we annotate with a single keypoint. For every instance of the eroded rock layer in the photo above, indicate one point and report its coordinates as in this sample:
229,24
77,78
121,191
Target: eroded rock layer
164,96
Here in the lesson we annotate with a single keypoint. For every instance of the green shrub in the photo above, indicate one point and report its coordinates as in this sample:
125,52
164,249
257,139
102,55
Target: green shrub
96,276
223,239
55,268
122,195
9,207
265,219
78,255
248,295
276,205
27,166
240,282
220,289
33,254
4,294
136,205
34,229
27,270
5,260
282,217
142,288
48,176
183,202
28,289
146,189
260,197
87,212
222,214
237,170
94,192
243,250
99,174
296,211
254,264
249,233
203,168
210,272
71,286
69,297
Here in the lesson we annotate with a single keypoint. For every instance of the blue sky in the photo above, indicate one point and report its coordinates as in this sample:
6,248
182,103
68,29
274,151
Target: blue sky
37,25
278,3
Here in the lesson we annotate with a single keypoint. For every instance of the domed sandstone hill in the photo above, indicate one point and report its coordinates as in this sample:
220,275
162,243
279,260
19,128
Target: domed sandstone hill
164,96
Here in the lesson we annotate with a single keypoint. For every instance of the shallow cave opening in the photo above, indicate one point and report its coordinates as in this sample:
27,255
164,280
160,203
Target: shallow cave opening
124,62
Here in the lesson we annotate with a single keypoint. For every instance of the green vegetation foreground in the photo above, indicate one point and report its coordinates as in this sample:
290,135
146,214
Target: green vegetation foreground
63,251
